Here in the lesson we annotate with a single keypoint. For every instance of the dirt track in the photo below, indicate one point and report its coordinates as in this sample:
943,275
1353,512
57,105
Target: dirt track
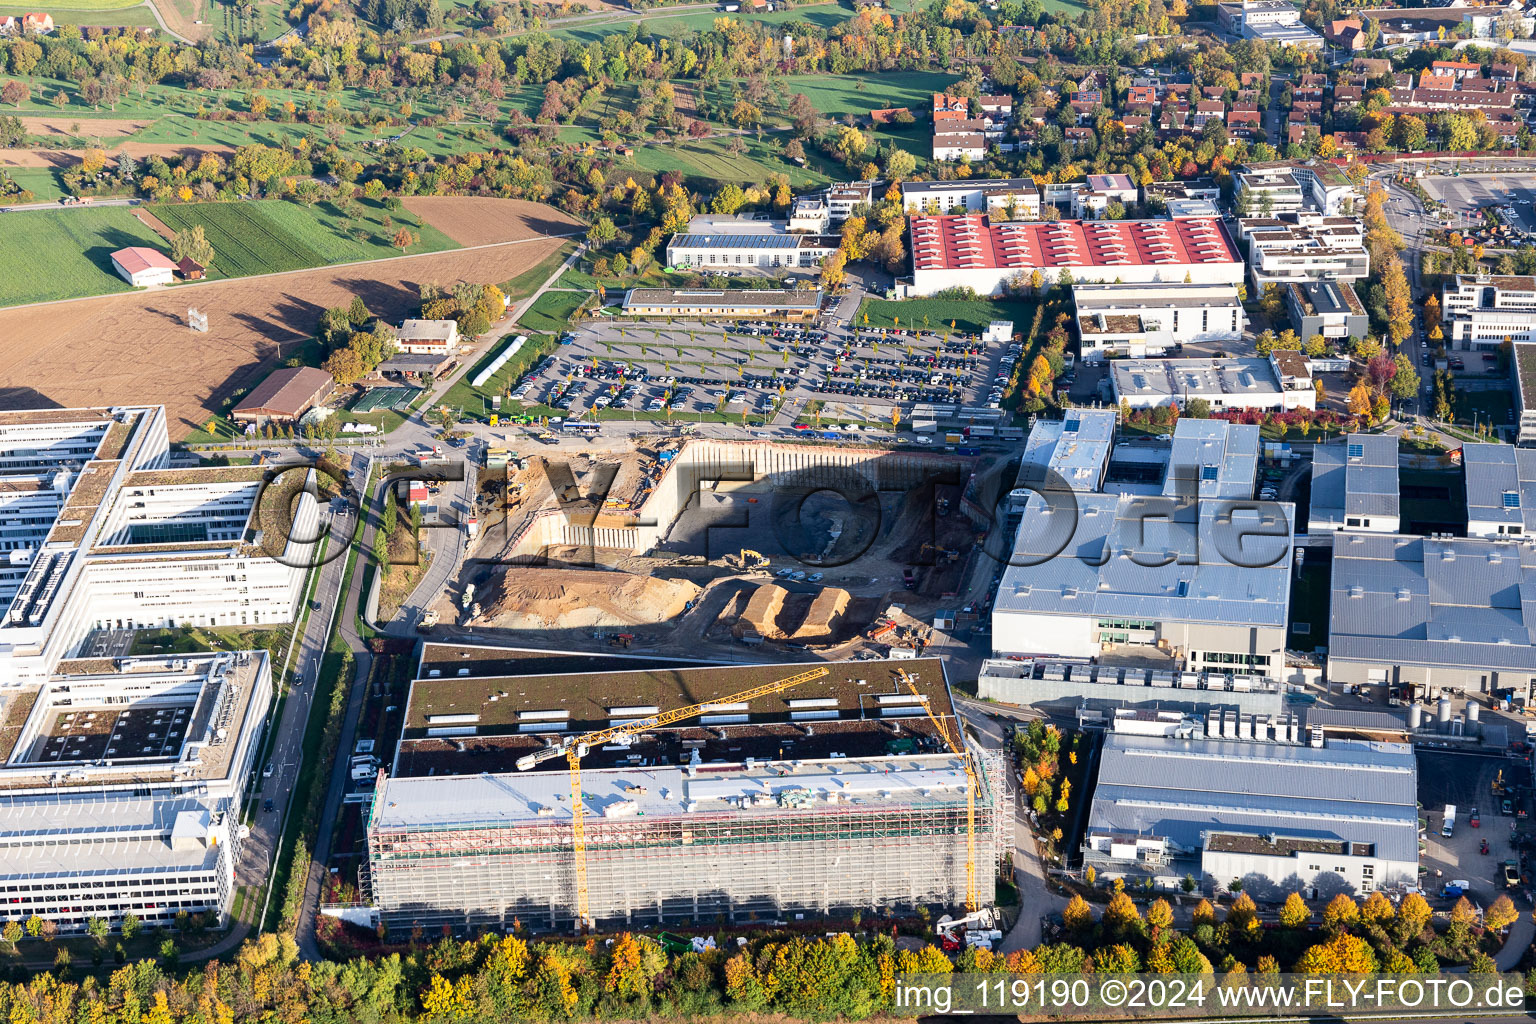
137,348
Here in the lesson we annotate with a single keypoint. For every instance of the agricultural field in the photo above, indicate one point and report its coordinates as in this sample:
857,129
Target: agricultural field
270,236
41,182
663,23
105,13
836,95
712,159
67,253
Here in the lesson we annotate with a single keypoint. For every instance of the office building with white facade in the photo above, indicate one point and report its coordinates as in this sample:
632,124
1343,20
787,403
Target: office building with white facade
1311,249
1482,311
137,544
1066,454
1327,308
970,195
1354,485
1278,188
121,782
1140,320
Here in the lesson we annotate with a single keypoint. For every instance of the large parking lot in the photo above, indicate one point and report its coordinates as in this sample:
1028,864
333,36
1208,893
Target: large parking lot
1512,195
752,369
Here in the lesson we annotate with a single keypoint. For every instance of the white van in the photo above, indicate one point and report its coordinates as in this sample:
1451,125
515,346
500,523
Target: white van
1450,821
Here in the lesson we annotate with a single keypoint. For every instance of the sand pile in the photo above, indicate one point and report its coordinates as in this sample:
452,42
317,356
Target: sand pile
824,616
524,598
776,614
762,611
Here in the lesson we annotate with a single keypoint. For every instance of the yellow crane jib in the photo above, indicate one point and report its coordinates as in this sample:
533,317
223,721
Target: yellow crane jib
972,902
573,749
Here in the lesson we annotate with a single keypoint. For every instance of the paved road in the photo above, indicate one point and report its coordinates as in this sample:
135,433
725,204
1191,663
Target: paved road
256,854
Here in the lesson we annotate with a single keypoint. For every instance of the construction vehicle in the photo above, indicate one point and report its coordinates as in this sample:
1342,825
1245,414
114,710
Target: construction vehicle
621,640
1512,874
1498,783
972,901
978,929
748,560
908,580
883,629
429,618
573,749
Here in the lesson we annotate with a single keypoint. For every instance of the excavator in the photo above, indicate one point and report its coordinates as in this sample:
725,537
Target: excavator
748,561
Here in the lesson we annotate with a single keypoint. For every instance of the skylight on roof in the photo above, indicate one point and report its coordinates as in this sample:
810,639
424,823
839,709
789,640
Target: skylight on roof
1511,499
1355,451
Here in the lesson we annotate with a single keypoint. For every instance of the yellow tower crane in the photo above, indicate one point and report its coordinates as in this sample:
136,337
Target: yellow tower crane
575,748
972,903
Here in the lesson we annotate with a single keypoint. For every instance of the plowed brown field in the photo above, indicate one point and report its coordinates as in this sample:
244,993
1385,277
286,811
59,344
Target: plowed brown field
136,347
474,220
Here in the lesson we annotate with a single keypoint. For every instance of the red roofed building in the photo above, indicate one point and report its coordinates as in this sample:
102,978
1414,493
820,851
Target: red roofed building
1456,68
950,108
972,252
37,24
141,266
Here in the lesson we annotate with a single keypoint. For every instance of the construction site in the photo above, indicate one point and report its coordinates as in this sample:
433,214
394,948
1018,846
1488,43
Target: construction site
721,543
689,794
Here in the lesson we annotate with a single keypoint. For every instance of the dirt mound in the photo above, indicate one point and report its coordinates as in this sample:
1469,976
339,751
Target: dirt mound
777,614
762,612
824,616
523,598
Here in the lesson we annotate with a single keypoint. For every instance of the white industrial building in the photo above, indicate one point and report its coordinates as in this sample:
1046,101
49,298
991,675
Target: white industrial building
974,252
1070,453
1268,21
1092,199
1140,320
1482,311
746,241
136,544
1501,490
1269,383
1354,485
121,787
1272,816
1432,612
1091,572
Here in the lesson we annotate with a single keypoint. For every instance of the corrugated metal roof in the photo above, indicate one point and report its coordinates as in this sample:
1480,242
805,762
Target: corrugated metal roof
1360,792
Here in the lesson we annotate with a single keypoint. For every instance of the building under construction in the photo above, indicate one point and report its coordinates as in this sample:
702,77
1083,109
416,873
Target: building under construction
837,794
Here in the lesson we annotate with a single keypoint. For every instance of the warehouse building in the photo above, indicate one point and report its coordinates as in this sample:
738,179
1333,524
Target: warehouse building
1354,485
1432,612
1275,817
746,241
733,303
1275,382
1160,576
1140,320
136,544
143,267
973,251
121,786
1501,490
834,796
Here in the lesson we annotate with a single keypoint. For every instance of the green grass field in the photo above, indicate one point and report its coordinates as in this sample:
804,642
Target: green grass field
474,401
104,13
65,254
663,23
836,95
967,314
40,181
270,236
552,313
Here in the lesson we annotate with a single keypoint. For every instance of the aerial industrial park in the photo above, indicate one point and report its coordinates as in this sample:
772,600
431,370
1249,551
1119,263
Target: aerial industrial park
593,512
